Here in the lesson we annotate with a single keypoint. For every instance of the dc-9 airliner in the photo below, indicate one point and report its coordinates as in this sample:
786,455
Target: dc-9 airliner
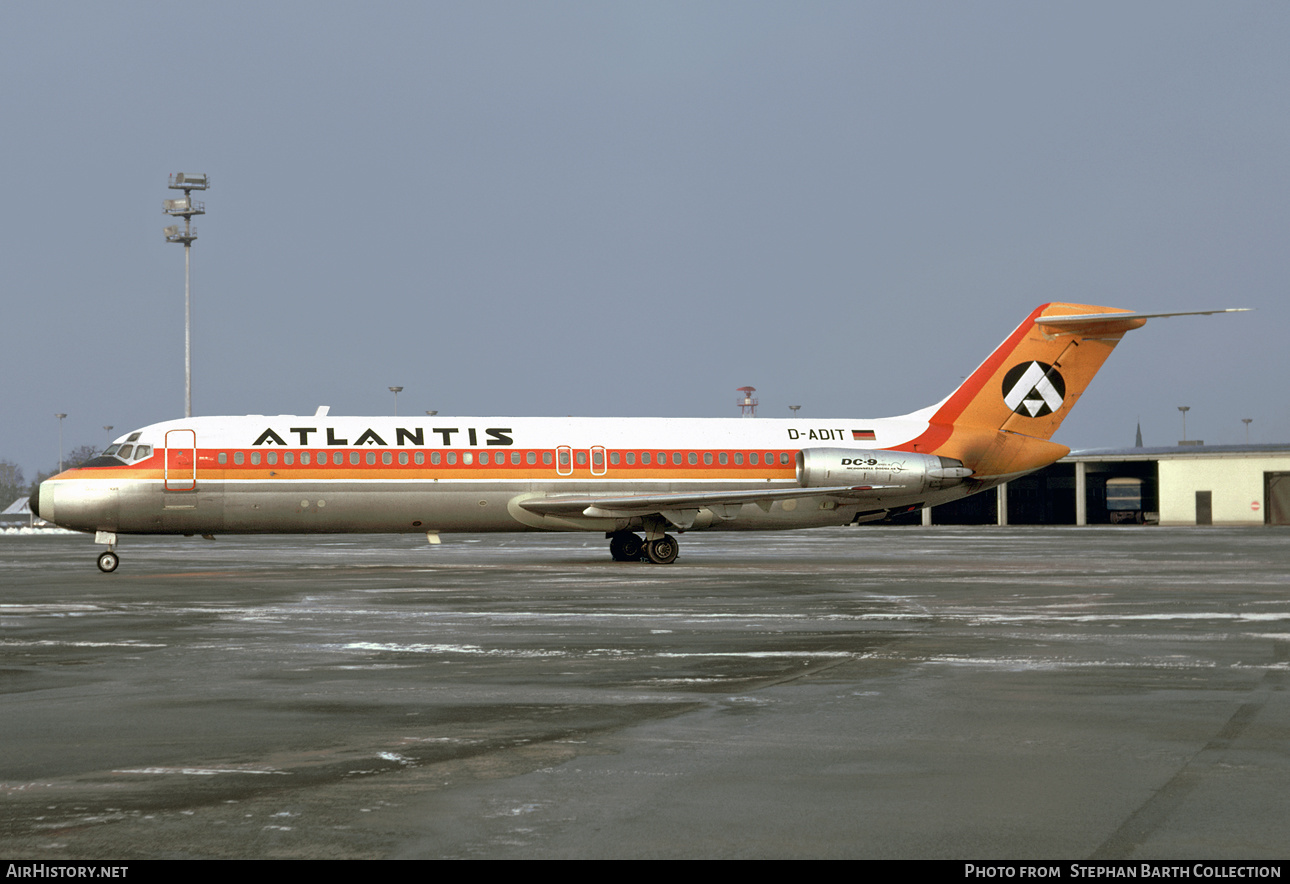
637,480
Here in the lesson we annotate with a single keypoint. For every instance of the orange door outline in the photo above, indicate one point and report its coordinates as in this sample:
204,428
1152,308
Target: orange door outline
181,460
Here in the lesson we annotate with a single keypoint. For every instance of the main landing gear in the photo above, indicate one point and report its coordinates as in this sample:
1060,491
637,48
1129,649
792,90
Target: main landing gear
625,546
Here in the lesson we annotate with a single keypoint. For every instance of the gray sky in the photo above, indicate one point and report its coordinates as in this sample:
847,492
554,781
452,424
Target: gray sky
538,208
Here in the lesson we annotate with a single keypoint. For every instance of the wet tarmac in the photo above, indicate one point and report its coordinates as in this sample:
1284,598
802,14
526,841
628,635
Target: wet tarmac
873,692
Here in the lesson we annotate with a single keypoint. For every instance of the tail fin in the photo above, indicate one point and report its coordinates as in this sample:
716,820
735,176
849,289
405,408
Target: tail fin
1032,381
998,422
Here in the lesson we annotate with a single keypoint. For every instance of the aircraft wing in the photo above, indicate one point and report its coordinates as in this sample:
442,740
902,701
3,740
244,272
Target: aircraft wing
680,508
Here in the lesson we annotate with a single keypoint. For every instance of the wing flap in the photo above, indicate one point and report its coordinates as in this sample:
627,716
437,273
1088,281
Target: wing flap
724,503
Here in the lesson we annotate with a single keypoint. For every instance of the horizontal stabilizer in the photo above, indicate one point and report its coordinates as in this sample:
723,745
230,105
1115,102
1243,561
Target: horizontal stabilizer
1080,322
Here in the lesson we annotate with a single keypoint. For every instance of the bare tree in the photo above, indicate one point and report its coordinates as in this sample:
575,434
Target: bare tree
79,455
12,483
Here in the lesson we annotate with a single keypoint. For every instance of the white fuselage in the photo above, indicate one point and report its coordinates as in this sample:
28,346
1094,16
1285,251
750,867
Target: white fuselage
307,474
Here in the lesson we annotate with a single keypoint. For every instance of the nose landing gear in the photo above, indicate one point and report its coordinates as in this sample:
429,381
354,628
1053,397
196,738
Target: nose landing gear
107,560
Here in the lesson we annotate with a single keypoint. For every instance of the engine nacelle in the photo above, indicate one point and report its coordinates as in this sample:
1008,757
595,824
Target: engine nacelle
891,472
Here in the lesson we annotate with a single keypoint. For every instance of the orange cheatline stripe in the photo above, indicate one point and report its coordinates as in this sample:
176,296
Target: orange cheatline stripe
208,466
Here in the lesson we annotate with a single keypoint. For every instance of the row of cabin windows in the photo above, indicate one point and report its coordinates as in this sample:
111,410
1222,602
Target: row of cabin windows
516,457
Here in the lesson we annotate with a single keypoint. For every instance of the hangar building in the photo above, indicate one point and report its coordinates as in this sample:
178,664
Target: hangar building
1184,485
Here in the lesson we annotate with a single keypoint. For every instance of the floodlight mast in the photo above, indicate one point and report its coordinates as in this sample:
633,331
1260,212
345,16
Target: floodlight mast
186,207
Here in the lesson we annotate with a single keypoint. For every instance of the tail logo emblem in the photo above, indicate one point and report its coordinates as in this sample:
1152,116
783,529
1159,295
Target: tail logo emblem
1033,389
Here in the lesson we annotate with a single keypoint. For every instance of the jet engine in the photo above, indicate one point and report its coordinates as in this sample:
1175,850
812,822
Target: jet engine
896,471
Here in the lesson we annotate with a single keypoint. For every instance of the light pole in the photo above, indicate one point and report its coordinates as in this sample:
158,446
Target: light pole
1184,409
107,428
1247,421
396,391
186,207
794,408
60,417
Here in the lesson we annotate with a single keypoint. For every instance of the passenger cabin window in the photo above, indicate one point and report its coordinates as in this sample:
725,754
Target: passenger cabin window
271,458
288,457
223,457
238,457
255,457
645,458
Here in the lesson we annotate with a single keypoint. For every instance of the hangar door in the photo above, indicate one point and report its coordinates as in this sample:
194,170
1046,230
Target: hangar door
1276,498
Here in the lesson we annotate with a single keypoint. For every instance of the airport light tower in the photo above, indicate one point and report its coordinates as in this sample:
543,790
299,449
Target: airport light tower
186,207
60,416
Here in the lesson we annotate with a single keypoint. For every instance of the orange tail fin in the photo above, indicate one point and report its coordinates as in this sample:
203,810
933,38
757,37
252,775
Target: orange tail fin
999,421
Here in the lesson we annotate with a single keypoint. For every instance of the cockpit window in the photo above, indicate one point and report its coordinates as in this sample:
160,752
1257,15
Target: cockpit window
134,437
111,449
125,451
142,451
